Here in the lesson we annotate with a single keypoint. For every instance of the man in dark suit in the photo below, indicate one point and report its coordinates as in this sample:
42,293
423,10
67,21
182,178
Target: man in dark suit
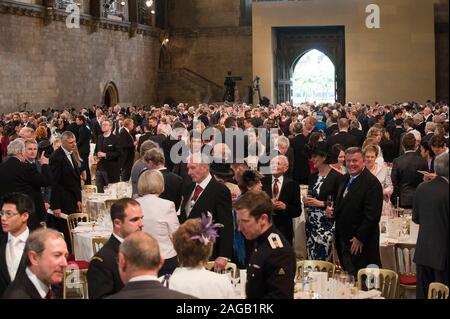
66,184
405,176
126,159
301,167
45,269
343,137
430,127
96,125
173,184
41,168
356,132
144,137
103,273
204,195
358,210
16,175
83,144
107,153
285,194
15,213
139,256
430,211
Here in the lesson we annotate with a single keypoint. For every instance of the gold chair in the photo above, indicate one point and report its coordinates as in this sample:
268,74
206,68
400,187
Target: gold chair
72,222
97,243
90,188
109,203
404,254
384,280
436,290
75,279
229,268
315,265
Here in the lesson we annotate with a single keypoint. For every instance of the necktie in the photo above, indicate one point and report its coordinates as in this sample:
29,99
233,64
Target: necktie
276,189
349,185
49,294
13,252
197,192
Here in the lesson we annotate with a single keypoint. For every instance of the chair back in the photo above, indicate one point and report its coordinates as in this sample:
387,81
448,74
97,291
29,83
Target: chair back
75,280
384,280
72,222
90,188
315,265
97,243
229,268
404,256
108,204
436,290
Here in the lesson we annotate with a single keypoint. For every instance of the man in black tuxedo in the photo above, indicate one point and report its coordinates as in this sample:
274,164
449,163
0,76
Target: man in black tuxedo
205,195
139,256
358,210
405,176
356,132
144,137
430,127
96,125
301,166
107,154
66,183
83,144
126,159
44,274
18,176
173,184
40,212
343,137
285,194
15,213
430,211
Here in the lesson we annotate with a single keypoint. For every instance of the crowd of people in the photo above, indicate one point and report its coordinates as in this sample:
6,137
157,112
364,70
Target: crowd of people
220,183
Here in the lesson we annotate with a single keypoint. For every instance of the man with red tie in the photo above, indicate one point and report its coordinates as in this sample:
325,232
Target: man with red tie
47,257
204,195
285,194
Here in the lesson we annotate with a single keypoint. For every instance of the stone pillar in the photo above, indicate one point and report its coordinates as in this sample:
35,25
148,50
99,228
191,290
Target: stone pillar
133,16
96,13
49,11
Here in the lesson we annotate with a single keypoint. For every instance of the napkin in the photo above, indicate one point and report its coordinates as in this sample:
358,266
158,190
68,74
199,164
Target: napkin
370,294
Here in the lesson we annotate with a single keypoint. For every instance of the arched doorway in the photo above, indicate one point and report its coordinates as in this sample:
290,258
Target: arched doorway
294,42
313,78
110,95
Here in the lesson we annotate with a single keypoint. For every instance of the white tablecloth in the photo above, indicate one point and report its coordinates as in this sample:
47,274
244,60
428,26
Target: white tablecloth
82,241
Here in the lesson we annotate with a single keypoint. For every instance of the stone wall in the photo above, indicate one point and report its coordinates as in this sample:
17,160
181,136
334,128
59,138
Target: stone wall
50,66
212,52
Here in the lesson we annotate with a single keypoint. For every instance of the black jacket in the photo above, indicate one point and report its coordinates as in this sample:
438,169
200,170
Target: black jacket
301,166
345,139
66,183
5,279
103,273
216,199
357,215
23,288
289,195
405,177
109,164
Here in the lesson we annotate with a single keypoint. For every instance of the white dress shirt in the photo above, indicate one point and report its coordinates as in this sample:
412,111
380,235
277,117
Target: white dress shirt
14,251
160,221
144,278
68,154
190,204
40,286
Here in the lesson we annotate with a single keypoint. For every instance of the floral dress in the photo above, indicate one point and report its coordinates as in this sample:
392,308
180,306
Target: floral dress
319,227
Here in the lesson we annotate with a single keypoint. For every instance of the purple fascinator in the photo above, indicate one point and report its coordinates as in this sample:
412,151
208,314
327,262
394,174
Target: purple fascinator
208,231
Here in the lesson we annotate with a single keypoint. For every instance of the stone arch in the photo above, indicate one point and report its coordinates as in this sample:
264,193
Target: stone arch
110,96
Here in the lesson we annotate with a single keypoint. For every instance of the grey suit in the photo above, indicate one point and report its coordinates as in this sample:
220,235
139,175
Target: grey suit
431,212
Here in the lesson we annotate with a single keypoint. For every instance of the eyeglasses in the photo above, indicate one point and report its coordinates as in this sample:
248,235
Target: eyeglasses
8,214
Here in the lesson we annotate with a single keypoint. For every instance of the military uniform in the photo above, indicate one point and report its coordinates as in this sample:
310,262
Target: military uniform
103,273
271,268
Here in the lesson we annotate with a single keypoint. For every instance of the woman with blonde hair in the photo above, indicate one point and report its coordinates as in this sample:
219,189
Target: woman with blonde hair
193,242
160,218
380,171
